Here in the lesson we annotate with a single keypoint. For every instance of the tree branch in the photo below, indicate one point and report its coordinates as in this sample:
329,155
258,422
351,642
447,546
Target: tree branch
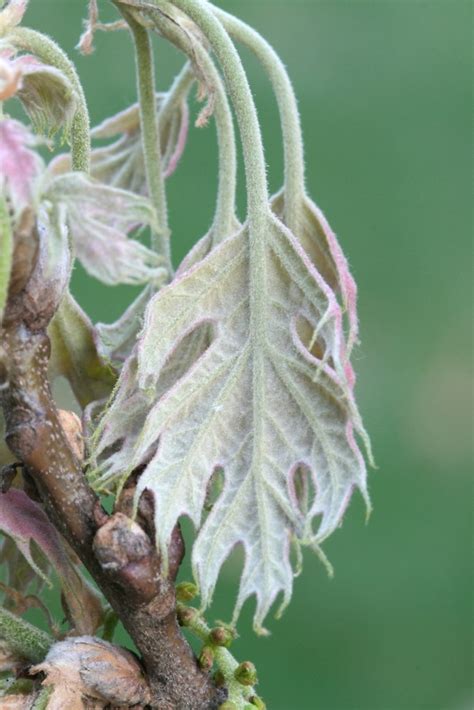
118,553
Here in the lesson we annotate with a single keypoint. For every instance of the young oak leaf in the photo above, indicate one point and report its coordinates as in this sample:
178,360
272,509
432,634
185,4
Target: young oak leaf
119,438
75,354
121,163
12,14
321,244
256,404
19,165
46,93
24,521
47,96
115,341
99,219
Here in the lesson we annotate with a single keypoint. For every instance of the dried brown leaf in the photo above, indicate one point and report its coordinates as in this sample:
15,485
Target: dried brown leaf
89,670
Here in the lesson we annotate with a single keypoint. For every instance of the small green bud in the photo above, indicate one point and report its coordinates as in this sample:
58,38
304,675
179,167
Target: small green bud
221,636
206,658
186,591
228,705
257,702
246,673
186,615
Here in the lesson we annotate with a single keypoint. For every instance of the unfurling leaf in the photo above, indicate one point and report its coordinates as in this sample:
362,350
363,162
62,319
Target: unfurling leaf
16,570
257,404
47,96
19,165
99,219
87,668
121,163
115,341
46,93
12,15
39,280
25,522
75,355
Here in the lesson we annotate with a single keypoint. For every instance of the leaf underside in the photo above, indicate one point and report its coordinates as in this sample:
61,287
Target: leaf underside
256,404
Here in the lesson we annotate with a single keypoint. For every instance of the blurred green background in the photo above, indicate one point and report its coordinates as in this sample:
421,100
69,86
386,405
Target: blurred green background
385,96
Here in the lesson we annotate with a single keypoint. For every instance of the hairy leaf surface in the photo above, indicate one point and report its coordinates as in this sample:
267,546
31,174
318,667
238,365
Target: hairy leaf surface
45,92
19,166
319,241
121,163
24,521
256,404
12,14
99,219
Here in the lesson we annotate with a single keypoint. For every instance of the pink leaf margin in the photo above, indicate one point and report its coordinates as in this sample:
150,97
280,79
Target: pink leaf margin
25,522
12,14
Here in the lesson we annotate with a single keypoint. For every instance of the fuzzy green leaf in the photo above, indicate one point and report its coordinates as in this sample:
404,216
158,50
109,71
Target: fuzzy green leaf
74,354
121,163
257,404
99,219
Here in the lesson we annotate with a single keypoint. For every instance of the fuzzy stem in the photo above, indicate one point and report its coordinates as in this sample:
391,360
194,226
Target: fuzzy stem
257,194
150,134
22,638
50,53
144,603
246,112
224,218
287,104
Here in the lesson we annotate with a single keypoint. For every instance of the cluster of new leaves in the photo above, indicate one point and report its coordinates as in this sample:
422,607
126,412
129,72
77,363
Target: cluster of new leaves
257,404
241,370
266,400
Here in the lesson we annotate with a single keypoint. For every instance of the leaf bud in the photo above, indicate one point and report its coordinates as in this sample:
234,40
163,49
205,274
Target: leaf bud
246,673
206,658
186,591
221,636
257,702
186,615
228,705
